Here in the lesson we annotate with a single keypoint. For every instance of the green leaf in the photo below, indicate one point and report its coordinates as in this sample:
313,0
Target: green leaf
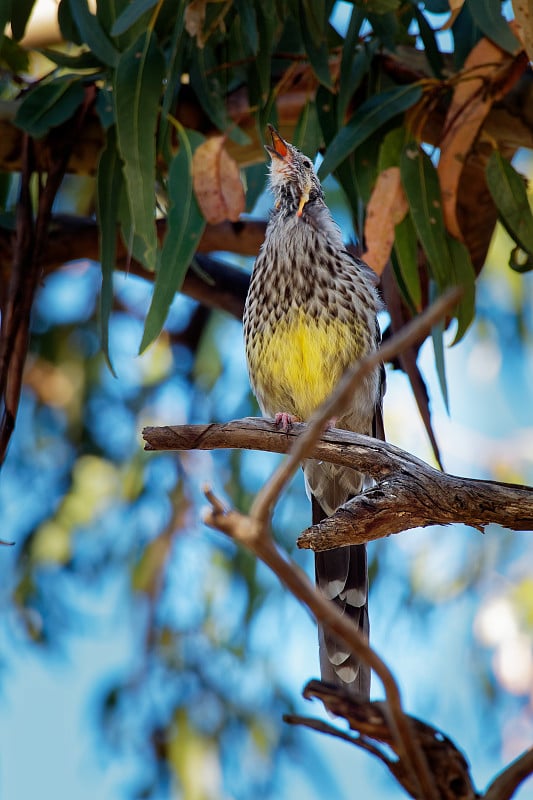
266,23
380,7
508,191
185,225
437,337
351,51
130,15
487,15
256,175
431,47
248,20
211,95
448,259
105,107
92,33
109,181
307,136
137,90
391,148
368,118
405,262
317,50
20,15
352,76
175,56
314,13
12,55
86,60
49,104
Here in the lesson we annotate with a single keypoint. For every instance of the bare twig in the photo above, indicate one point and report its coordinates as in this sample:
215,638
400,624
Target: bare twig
507,782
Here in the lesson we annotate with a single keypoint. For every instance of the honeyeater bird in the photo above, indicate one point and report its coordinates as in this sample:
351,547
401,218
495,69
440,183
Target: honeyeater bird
311,312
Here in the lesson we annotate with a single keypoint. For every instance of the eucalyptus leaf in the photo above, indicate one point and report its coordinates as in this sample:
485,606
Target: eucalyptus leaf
137,89
368,118
508,191
92,32
129,16
487,15
109,182
48,105
185,225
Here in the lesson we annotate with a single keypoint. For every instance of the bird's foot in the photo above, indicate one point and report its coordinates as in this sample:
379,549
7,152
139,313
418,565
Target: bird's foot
284,421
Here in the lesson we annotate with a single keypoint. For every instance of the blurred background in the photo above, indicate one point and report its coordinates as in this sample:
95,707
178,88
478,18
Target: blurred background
129,627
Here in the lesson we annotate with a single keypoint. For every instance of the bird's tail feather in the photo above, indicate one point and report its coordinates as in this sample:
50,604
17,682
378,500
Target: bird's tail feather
342,576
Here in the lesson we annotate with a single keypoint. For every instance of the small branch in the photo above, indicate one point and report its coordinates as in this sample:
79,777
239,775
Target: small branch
254,535
341,397
330,730
507,782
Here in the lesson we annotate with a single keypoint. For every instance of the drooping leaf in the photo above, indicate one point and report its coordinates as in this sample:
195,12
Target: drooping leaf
266,23
307,136
175,55
86,60
92,33
256,175
109,181
481,85
437,337
137,89
105,107
405,262
369,117
211,96
49,104
508,191
448,258
130,15
386,208
429,40
217,182
185,225
20,14
391,149
248,20
488,17
12,55
316,48
354,63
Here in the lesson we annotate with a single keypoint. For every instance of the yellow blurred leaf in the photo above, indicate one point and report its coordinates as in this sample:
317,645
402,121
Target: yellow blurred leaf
217,182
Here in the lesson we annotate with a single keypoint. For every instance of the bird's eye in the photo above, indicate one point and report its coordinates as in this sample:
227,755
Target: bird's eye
308,164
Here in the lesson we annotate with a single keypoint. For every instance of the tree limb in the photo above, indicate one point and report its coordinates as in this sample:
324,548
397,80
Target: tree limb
409,493
507,782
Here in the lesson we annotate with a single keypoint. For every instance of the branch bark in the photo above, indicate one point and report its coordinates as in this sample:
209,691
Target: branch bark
408,493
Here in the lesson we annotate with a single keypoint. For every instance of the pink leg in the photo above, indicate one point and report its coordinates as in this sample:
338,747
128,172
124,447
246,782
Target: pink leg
284,420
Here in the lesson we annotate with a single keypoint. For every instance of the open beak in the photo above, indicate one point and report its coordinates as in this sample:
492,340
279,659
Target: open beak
279,146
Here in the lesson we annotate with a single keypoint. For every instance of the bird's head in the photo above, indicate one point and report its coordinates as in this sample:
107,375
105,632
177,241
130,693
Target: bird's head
292,176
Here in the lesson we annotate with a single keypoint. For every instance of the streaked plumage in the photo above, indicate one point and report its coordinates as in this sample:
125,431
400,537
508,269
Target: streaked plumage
310,313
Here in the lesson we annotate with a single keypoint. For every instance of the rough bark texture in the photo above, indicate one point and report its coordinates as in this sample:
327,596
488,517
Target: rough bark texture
408,492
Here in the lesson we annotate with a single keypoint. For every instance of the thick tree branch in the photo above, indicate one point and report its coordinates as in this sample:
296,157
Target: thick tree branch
409,493
507,782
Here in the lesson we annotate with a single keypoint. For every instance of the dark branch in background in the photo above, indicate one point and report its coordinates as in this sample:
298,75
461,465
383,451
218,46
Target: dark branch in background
448,766
408,493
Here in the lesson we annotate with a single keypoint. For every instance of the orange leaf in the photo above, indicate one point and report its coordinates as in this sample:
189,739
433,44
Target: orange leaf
487,75
217,182
455,7
386,208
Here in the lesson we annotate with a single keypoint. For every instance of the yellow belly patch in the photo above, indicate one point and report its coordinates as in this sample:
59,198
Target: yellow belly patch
295,366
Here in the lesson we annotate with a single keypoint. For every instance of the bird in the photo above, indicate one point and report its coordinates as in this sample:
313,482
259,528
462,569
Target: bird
310,313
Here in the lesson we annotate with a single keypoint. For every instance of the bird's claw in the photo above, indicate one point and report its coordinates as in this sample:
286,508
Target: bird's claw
285,421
